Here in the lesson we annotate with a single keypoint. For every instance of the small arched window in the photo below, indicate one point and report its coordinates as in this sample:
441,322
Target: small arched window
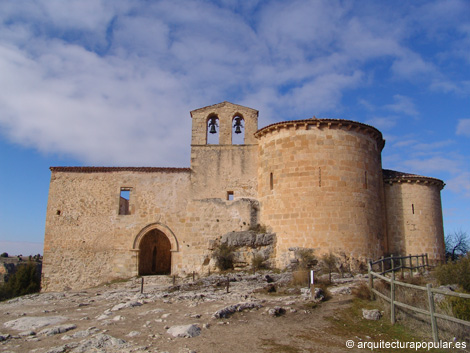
238,130
212,129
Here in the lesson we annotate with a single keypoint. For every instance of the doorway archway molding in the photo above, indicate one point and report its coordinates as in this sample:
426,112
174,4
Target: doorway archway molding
162,228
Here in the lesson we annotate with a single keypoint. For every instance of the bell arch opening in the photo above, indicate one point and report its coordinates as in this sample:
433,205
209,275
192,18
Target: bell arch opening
154,254
238,130
212,130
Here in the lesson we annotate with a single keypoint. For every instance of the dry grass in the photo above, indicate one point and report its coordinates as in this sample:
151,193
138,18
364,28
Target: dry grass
351,324
362,291
300,278
417,322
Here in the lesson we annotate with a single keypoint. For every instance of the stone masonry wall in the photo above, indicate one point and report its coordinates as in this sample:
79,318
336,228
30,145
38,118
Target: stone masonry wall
208,221
217,170
86,240
414,219
320,186
225,112
315,183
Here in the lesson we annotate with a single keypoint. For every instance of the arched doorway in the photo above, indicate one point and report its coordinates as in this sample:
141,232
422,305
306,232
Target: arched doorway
154,254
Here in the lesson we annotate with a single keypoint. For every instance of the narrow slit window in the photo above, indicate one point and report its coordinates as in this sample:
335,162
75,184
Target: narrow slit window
124,198
271,181
230,195
319,177
413,208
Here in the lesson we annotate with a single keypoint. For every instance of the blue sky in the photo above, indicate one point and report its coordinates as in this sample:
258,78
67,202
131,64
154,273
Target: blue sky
111,83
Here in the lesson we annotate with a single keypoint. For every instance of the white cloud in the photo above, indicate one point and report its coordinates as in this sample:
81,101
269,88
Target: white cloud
404,142
433,146
432,165
112,82
463,127
460,184
402,105
383,122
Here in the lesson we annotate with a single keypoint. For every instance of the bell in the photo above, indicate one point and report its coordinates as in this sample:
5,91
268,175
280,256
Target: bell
238,125
212,125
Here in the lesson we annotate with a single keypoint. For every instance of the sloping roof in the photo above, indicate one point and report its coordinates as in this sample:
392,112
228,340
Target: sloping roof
218,105
119,169
393,176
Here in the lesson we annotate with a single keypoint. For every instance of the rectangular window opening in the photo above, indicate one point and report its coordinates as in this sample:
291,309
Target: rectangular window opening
271,181
230,195
124,198
413,208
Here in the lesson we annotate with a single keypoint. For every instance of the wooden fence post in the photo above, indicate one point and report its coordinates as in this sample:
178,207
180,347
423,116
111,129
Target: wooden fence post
435,334
427,261
142,286
382,264
401,265
392,298
392,263
411,265
371,282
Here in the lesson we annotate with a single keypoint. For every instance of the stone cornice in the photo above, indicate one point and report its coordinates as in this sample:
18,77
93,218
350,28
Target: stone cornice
348,125
219,105
392,176
118,169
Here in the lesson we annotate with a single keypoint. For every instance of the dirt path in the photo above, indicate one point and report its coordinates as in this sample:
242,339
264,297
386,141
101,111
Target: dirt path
143,326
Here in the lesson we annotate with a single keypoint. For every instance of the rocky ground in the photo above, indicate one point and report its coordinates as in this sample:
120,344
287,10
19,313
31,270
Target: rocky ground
191,316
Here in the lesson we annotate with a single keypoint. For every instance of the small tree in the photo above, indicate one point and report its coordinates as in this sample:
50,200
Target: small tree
329,261
224,257
457,244
4,254
306,258
457,272
25,280
258,262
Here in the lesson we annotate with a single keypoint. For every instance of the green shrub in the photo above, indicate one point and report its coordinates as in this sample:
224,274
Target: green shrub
25,280
4,254
362,291
306,258
259,228
455,273
329,262
258,262
224,257
460,308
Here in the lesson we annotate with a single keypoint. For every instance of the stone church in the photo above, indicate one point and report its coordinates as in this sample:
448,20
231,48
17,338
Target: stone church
314,183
